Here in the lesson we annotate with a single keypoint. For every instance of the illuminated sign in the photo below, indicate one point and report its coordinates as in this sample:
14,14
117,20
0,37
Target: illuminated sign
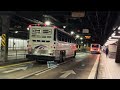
87,37
78,14
85,31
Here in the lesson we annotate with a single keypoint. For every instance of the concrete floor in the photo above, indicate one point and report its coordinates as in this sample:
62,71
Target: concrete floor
78,68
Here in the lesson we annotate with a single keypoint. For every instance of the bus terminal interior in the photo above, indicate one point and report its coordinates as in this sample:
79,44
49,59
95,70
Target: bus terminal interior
86,27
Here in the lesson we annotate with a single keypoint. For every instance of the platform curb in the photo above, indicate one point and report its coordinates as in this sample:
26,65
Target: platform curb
94,71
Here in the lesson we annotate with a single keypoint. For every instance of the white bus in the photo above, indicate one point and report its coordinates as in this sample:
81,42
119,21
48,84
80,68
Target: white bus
95,48
49,43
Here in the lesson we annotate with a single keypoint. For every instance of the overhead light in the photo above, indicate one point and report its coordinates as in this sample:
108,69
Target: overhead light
109,37
114,28
28,28
77,36
116,36
81,38
112,39
110,42
47,22
16,31
72,32
119,28
113,34
119,32
106,44
64,26
81,42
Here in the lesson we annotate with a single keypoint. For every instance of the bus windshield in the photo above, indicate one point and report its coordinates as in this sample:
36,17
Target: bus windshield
41,33
95,46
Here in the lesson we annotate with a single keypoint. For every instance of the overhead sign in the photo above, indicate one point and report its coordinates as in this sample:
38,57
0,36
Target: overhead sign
85,31
78,14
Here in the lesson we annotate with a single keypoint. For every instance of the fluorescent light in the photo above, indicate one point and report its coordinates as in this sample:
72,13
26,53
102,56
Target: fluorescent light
114,28
72,32
110,42
118,31
64,26
113,40
47,22
113,34
27,28
81,38
119,28
116,36
109,37
77,36
16,31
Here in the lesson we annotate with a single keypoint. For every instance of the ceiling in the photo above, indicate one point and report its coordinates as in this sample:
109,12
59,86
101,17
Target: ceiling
99,23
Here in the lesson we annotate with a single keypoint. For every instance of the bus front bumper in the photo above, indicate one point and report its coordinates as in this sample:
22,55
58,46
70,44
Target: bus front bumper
40,57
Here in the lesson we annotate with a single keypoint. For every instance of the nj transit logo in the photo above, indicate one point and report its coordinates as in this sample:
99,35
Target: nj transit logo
40,47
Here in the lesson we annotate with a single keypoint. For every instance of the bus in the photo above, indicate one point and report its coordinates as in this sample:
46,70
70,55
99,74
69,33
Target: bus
49,43
95,48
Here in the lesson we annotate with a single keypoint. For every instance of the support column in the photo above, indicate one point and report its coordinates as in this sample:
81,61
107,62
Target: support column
117,59
4,37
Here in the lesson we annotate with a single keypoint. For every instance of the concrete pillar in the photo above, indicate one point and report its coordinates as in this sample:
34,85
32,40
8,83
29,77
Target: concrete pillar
4,41
117,59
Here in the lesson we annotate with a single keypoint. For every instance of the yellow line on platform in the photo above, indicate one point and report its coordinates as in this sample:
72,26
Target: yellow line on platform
15,64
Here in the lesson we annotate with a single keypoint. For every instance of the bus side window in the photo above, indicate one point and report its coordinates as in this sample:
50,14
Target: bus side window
59,36
62,38
66,40
55,34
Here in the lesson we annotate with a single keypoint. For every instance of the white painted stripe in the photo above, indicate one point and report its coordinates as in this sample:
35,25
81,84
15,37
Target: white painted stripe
94,69
41,71
65,75
13,70
22,77
44,71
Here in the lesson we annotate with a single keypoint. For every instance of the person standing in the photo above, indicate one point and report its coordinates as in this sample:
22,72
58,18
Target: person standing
107,51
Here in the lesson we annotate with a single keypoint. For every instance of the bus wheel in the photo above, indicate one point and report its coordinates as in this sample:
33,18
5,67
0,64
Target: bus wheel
74,54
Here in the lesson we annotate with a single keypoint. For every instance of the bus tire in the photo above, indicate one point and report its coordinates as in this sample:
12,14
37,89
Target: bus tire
74,54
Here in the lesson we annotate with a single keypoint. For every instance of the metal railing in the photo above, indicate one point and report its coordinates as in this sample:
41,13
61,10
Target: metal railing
16,54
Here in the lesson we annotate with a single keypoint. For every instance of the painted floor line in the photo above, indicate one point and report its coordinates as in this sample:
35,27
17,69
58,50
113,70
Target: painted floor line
15,64
41,71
